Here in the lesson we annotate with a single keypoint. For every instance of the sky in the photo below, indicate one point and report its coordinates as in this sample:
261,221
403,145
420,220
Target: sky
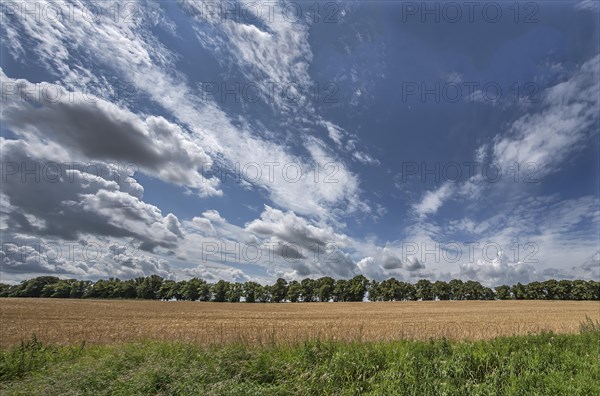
248,140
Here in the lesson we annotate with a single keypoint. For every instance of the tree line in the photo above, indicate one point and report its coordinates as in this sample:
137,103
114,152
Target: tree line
326,288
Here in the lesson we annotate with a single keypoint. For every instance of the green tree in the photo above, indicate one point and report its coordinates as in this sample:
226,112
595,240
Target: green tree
581,290
340,290
149,287
60,289
5,290
33,287
309,290
551,289
472,290
190,289
219,291
424,290
564,289
357,287
294,291
251,291
519,291
126,289
488,294
375,291
279,290
264,294
391,290
80,289
503,292
235,292
406,291
456,289
595,288
441,290
101,289
325,288
536,291
166,290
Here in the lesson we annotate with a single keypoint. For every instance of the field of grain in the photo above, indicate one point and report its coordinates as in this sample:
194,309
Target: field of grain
105,322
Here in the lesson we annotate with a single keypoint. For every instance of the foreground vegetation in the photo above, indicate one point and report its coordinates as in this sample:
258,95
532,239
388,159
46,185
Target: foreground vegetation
548,364
323,289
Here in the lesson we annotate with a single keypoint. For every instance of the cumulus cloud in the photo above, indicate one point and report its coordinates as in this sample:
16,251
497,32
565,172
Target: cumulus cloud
90,128
214,274
135,266
26,259
497,271
297,238
66,201
288,227
175,131
414,264
279,53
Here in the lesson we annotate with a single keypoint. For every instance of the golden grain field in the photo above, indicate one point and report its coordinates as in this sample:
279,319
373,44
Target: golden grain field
103,321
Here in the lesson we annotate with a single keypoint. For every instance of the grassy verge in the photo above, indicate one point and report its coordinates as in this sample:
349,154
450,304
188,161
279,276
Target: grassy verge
546,364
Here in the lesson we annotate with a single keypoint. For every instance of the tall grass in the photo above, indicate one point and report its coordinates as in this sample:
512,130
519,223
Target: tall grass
538,364
589,325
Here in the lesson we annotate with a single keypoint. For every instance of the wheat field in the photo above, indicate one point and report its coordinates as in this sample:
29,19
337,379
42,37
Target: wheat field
107,322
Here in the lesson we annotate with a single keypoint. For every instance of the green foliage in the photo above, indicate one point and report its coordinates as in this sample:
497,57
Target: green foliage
149,287
548,364
357,287
442,290
294,291
456,289
503,292
234,292
308,290
251,291
279,290
424,290
325,285
220,290
519,291
340,290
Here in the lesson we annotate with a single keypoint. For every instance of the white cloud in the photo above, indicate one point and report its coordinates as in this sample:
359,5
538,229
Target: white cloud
335,133
433,200
365,158
547,137
589,5
77,200
134,54
83,127
498,271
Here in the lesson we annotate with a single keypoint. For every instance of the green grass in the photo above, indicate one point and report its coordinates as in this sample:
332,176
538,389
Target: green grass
546,364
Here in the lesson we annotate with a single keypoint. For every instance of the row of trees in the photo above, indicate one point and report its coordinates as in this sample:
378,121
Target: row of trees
308,290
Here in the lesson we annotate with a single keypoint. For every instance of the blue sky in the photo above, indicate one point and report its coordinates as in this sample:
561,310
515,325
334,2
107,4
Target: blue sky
414,140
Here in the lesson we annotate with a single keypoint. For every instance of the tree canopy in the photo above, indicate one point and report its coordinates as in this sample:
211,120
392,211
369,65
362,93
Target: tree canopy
324,289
